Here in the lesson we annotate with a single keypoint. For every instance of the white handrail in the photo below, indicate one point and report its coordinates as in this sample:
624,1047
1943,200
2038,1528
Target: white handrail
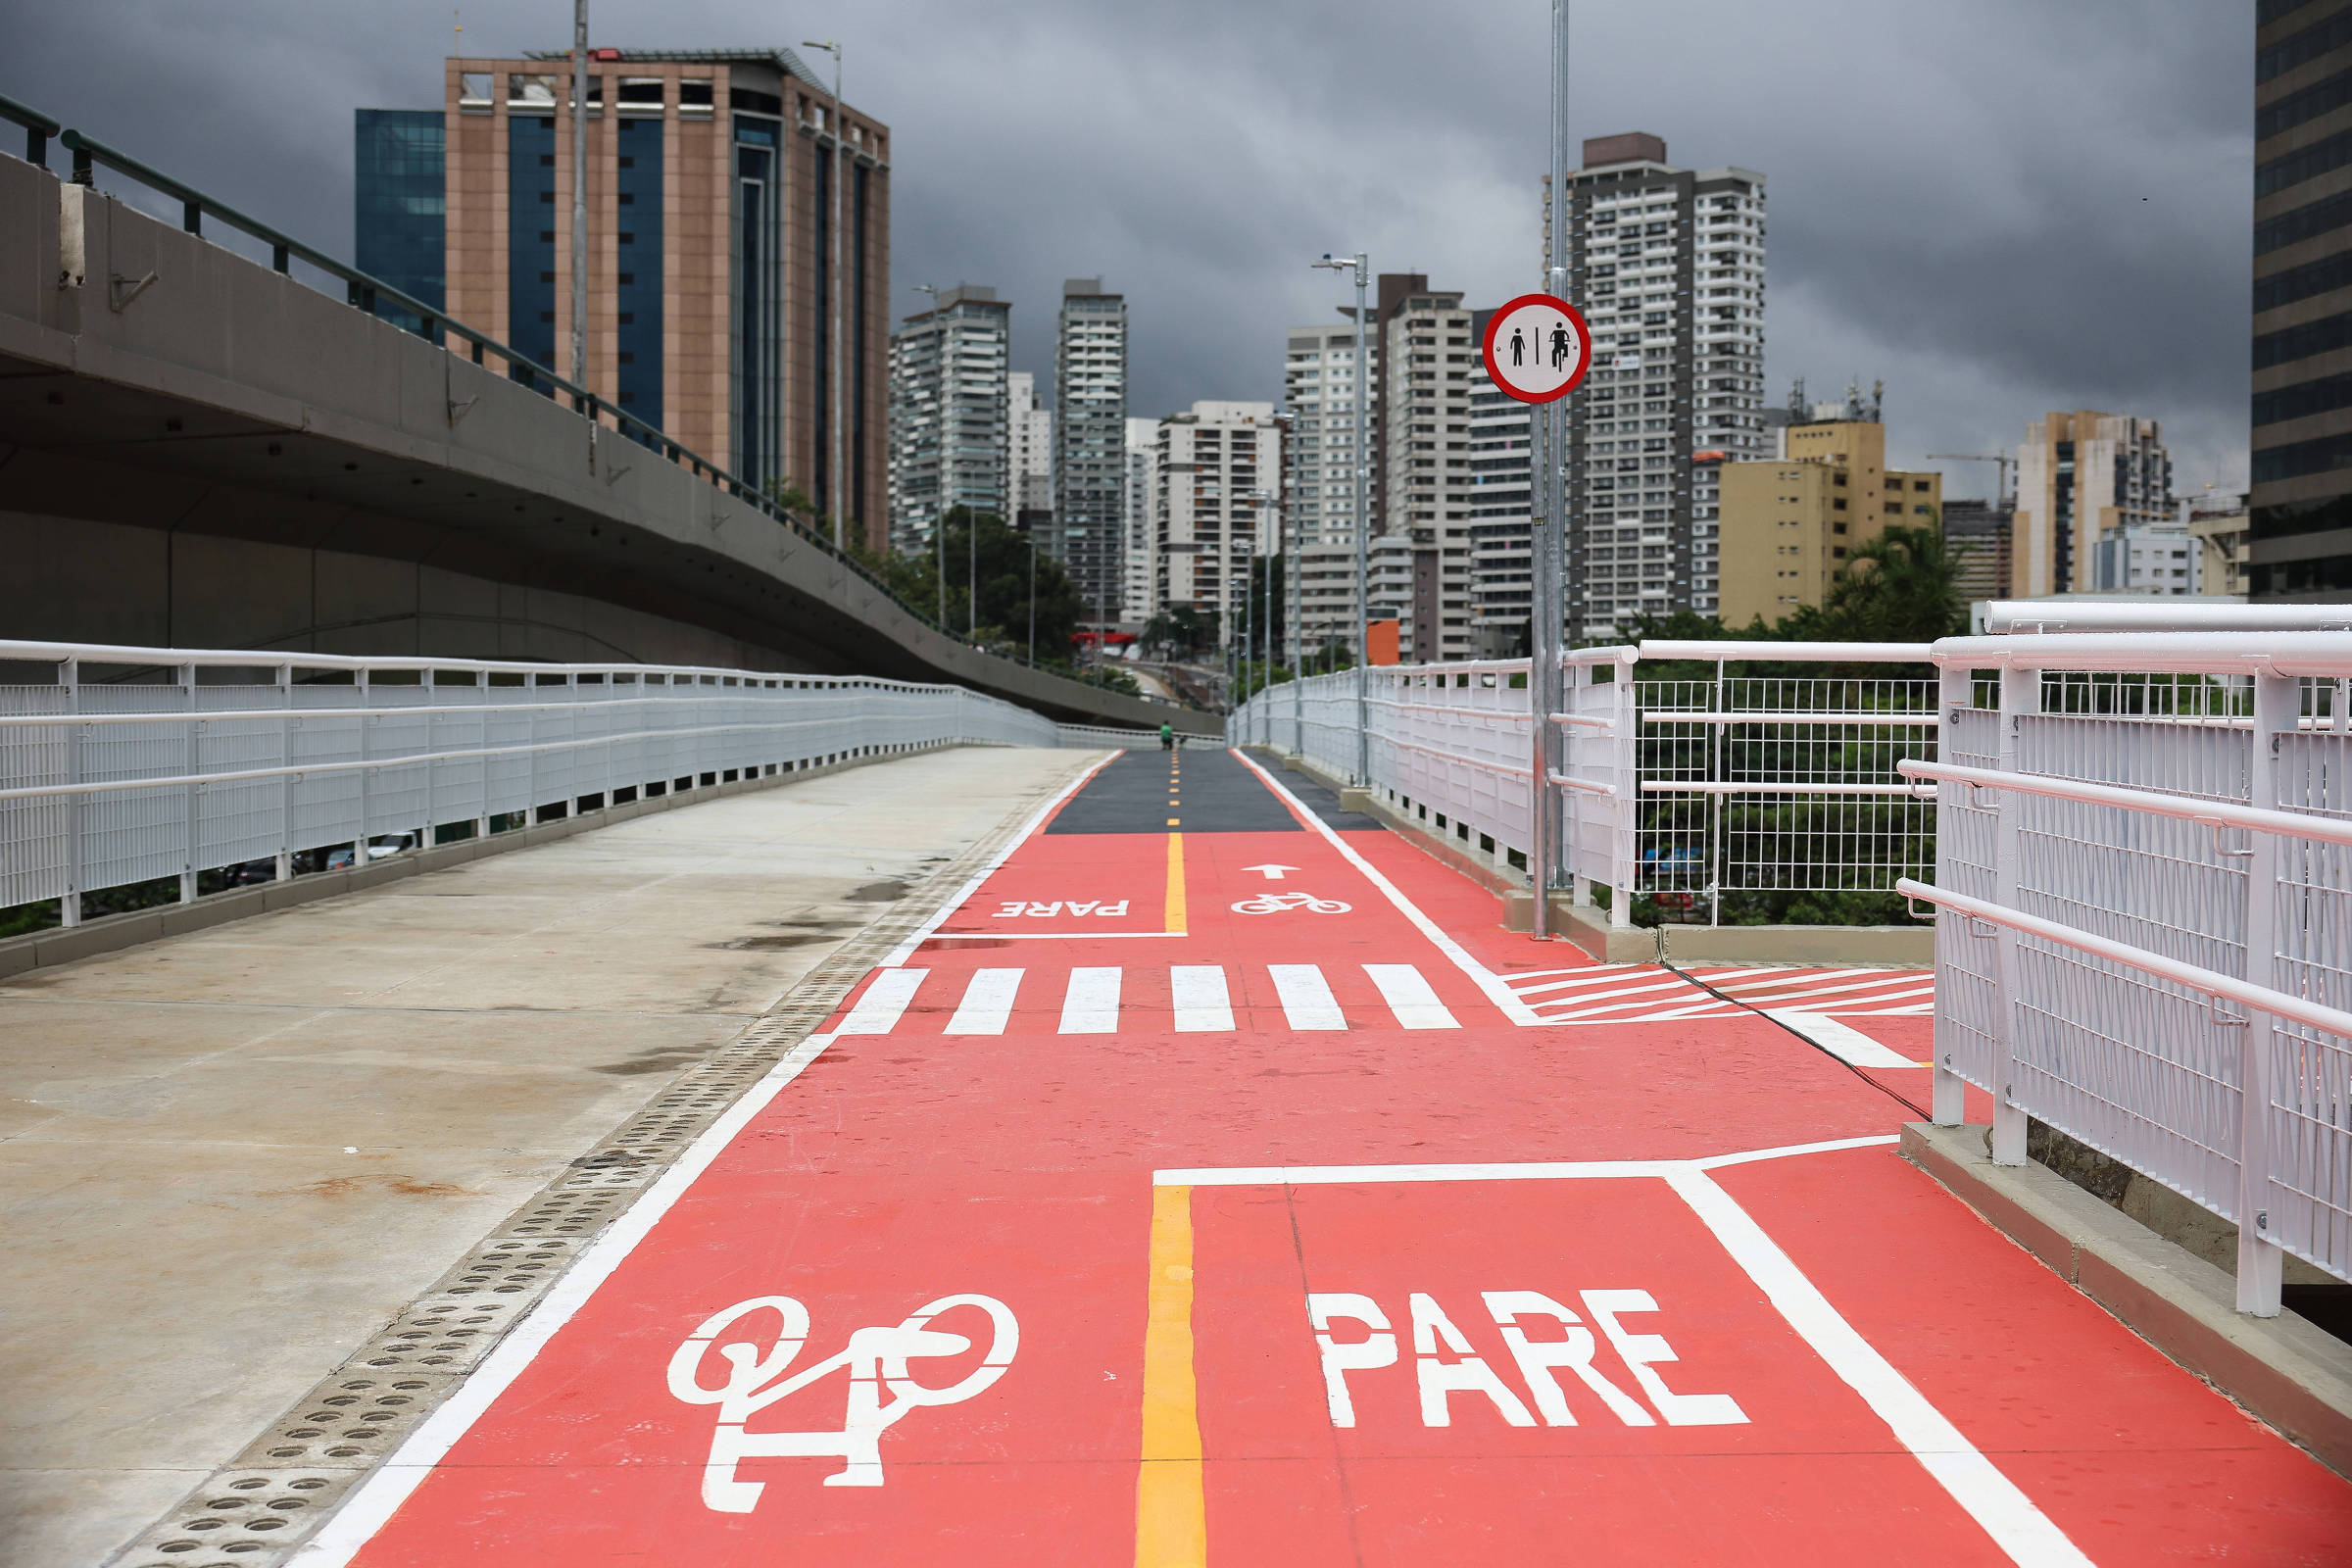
2326,655
2206,982
2185,808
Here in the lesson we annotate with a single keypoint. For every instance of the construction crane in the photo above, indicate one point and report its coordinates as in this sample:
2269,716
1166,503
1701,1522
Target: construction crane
2006,460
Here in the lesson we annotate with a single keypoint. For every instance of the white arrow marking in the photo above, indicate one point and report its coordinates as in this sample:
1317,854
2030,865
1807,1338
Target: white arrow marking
1273,873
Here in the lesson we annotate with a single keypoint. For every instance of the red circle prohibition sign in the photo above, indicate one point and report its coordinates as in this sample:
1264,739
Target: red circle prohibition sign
1545,352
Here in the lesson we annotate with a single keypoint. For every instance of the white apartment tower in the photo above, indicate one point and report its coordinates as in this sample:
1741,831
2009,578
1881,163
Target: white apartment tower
948,412
1668,266
1029,468
1424,477
1208,468
1319,382
1090,441
1140,555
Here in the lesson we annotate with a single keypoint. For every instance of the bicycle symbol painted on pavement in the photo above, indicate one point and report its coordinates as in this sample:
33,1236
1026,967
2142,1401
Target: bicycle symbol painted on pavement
1276,902
876,1358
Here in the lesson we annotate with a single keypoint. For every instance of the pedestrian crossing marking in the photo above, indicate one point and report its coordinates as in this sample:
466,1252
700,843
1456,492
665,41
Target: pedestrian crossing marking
1307,999
1649,993
1409,997
877,1011
987,1002
1202,1004
1091,1004
1201,1001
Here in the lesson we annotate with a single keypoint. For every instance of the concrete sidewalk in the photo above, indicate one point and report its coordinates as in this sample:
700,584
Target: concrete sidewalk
228,1159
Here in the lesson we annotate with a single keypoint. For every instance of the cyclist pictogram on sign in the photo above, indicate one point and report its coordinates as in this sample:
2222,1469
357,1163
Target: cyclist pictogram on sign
1538,347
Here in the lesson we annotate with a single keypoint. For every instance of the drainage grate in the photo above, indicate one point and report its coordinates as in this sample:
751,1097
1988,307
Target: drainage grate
283,1487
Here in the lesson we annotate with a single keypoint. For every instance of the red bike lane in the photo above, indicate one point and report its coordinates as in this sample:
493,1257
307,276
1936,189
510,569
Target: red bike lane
1195,1193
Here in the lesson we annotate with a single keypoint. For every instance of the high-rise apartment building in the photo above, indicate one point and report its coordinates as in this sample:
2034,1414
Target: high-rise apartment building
1976,540
2078,476
711,297
1208,466
2301,506
1318,384
1090,444
2219,524
950,412
1430,347
1140,554
400,201
1669,267
1029,434
1790,526
1500,507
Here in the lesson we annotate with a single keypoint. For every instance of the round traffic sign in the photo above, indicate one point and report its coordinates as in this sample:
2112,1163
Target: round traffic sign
1538,347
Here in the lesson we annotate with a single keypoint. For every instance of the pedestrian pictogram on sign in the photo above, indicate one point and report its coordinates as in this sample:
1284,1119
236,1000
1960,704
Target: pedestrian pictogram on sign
1538,347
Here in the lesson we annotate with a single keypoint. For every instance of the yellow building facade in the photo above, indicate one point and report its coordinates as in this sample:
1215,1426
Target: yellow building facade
1788,527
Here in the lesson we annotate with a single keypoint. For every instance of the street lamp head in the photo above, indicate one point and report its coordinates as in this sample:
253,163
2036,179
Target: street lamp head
828,45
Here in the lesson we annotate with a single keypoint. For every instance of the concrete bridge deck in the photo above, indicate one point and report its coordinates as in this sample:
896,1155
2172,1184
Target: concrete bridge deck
1187,1173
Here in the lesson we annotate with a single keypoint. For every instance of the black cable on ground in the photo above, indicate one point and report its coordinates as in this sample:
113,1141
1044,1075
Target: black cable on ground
1901,1099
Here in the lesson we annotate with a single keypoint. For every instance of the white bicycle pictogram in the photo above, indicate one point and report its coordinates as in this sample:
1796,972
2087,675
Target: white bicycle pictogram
1276,902
875,1358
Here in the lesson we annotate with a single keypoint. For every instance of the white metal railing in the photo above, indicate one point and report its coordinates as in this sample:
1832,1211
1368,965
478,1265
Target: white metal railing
1693,791
123,765
2144,869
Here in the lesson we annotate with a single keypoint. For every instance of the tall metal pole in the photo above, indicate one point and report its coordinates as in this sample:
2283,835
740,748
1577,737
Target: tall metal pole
579,192
1290,588
833,289
1032,604
1363,533
1545,687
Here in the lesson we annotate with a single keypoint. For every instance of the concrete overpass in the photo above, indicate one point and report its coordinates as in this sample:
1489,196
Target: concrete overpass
199,451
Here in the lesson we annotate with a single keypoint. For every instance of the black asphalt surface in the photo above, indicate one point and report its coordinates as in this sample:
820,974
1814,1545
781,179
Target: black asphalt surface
1212,793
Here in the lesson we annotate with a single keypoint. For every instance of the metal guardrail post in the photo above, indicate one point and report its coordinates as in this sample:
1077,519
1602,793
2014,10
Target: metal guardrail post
287,785
187,870
358,847
1625,857
68,910
2278,712
2021,695
1947,1090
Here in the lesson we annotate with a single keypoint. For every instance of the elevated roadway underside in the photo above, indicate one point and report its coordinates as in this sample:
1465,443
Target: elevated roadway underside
198,451
1205,1177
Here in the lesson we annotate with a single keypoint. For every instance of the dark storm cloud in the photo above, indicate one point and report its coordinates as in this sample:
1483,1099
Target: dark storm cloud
2000,208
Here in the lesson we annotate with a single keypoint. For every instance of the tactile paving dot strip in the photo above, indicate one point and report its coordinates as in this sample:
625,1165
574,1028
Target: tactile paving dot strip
254,1513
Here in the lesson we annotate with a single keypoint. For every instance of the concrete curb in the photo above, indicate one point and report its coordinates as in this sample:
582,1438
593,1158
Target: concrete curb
2285,1371
39,950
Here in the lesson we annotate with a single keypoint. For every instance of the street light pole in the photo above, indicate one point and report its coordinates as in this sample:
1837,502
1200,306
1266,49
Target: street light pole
1363,523
1547,687
579,192
1032,604
833,285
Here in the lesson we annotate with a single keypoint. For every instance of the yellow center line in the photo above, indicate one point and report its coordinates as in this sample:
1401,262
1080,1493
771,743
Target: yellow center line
1171,1511
1174,913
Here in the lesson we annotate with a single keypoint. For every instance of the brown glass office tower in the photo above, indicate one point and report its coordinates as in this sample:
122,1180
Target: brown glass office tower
711,299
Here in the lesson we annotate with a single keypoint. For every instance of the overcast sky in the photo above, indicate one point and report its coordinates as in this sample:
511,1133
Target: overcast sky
1998,207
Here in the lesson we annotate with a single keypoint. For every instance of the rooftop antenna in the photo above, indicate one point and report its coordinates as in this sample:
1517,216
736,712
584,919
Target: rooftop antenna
1797,401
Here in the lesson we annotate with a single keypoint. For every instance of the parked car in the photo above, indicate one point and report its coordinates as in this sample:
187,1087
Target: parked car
383,846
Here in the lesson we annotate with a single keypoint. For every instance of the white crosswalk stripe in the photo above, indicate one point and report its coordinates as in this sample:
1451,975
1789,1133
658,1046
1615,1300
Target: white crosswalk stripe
1090,1005
1410,998
1202,1004
1307,999
1098,999
1841,1040
877,1011
987,1002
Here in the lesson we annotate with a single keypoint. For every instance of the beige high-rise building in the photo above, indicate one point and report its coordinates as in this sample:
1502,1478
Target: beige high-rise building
1790,526
2080,476
711,296
1208,466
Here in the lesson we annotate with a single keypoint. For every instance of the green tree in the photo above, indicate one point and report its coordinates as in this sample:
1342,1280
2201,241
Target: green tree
979,549
1899,587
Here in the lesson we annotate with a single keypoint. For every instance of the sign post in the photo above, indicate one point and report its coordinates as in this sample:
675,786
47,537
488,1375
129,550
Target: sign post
1537,350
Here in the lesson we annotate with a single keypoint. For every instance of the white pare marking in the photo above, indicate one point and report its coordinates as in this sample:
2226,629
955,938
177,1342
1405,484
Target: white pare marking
1307,999
1091,1004
1445,1367
876,1359
1411,997
1202,1004
878,1011
987,1003
1840,1039
1106,908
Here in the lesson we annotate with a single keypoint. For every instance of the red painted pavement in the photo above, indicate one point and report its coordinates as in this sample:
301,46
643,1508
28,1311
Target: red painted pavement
908,1166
